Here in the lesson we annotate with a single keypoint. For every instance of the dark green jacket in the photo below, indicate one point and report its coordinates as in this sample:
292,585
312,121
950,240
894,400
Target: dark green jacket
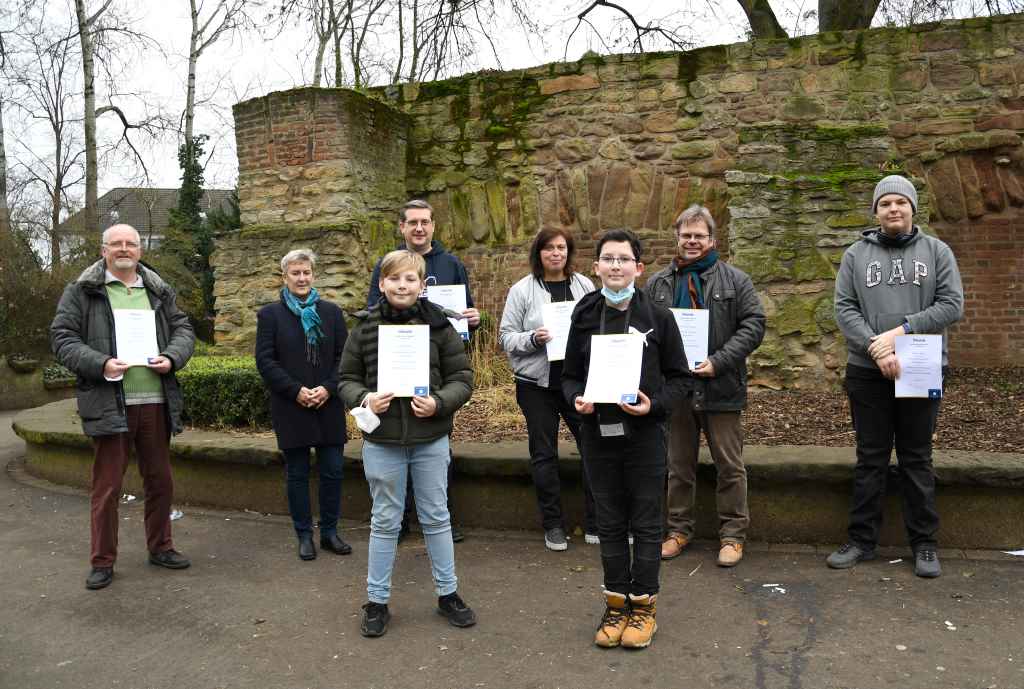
82,338
451,378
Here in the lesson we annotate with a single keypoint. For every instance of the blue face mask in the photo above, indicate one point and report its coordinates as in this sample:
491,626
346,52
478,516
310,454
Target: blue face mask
625,294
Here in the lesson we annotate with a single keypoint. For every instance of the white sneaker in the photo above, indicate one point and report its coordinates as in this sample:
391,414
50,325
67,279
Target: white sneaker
591,539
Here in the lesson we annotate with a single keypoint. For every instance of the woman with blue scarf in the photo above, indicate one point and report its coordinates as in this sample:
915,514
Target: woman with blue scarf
299,340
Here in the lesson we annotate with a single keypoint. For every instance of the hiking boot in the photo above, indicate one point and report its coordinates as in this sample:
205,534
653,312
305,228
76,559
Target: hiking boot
848,555
926,563
730,554
673,546
554,539
641,626
614,620
375,619
457,612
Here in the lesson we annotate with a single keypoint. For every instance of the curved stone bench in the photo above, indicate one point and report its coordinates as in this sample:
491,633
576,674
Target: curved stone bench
797,493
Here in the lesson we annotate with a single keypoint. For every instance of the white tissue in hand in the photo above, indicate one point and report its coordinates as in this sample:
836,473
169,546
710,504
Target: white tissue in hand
365,419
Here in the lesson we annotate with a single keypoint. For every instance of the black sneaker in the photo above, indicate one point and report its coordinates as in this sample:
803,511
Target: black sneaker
99,578
375,619
926,563
457,534
848,555
457,612
554,539
171,559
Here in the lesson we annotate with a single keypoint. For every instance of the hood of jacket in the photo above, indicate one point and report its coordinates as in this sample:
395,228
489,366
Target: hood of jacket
94,277
871,235
436,249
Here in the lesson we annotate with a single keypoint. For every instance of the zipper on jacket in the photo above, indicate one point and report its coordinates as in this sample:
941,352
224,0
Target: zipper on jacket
118,385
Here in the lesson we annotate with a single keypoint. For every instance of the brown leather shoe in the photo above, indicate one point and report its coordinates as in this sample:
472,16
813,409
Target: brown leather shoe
674,545
730,554
614,620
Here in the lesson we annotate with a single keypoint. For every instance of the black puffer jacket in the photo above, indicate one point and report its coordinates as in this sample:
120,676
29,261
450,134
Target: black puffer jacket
737,326
451,378
82,338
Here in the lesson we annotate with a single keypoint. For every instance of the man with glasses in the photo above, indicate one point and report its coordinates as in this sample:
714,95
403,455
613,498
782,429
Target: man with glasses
697,279
125,405
416,224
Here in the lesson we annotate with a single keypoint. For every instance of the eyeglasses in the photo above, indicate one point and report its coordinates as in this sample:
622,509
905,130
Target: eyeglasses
122,245
694,237
418,223
616,260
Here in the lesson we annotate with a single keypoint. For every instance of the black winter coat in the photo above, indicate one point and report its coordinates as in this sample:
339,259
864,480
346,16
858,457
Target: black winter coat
82,338
736,325
662,373
281,360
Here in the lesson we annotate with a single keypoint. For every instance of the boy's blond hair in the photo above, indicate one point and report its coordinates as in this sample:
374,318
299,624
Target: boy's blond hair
402,260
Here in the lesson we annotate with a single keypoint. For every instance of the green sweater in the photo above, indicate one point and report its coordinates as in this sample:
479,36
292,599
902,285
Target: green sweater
141,385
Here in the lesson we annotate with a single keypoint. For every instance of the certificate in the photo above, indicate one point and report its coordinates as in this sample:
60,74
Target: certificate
614,372
135,336
451,297
920,358
693,328
403,360
557,317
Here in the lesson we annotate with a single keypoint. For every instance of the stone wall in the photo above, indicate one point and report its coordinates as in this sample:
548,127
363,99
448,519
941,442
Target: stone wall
783,140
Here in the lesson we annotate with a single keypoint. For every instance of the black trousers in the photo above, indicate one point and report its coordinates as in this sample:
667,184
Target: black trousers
542,408
627,475
880,421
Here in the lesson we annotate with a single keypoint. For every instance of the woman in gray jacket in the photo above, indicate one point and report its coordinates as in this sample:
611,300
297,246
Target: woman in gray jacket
524,338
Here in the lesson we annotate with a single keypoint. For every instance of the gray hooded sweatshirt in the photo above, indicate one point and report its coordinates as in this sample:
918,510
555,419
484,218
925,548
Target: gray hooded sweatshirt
880,287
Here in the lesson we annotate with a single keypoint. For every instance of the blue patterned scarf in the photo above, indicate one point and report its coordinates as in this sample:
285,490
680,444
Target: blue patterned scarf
689,291
310,319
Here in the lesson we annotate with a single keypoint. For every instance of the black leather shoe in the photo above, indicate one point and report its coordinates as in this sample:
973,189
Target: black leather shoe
171,559
99,578
334,544
307,551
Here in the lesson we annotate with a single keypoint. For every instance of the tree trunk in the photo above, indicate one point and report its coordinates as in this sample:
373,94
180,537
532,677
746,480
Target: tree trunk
90,214
193,58
763,23
842,15
5,212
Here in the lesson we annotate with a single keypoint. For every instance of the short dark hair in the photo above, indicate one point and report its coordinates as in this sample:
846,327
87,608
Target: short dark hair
619,236
541,240
415,203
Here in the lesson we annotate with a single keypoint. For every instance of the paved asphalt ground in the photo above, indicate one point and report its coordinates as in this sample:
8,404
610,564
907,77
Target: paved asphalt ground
250,614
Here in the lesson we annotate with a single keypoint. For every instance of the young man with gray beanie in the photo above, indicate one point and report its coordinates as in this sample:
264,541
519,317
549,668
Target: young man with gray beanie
895,280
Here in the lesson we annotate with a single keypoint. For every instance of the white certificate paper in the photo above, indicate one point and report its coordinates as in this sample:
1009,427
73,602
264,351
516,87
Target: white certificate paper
403,360
557,317
693,328
614,373
135,335
920,358
451,297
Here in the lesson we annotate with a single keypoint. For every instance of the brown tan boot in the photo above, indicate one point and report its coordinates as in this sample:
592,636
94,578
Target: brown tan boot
674,545
642,625
730,554
614,620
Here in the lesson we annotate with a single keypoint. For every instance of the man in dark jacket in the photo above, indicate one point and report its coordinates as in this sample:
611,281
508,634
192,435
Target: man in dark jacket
124,404
696,279
416,224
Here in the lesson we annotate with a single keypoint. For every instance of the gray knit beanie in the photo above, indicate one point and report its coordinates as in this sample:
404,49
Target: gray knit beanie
894,184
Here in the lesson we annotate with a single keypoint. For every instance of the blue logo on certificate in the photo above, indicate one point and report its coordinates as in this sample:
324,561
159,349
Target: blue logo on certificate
420,391
628,399
934,394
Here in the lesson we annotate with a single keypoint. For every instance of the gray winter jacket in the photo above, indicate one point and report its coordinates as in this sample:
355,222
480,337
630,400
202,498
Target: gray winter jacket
522,315
82,338
736,324
879,287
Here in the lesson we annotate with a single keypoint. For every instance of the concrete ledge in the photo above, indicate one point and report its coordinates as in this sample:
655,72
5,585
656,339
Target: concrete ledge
797,493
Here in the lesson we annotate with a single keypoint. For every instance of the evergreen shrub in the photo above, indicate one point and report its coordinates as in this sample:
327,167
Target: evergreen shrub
224,391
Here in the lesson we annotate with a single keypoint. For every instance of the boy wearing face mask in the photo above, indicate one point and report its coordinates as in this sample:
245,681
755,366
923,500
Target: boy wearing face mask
623,445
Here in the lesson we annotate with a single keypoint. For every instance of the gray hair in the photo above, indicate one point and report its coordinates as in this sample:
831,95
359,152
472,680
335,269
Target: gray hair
298,256
693,214
415,203
120,226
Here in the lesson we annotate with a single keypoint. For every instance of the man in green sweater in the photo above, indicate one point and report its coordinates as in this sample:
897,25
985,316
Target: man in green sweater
125,404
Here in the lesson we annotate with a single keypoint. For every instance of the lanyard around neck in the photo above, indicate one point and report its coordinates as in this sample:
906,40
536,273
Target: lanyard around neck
604,307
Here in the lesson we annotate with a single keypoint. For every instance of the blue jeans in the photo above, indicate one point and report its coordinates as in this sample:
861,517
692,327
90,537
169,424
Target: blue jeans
387,468
328,460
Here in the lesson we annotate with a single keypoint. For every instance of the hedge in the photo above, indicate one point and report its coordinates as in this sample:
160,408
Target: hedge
224,391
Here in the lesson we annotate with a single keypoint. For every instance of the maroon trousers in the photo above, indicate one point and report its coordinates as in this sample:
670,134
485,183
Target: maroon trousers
148,432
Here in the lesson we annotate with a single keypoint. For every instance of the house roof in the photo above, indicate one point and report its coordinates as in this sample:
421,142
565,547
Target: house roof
147,210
